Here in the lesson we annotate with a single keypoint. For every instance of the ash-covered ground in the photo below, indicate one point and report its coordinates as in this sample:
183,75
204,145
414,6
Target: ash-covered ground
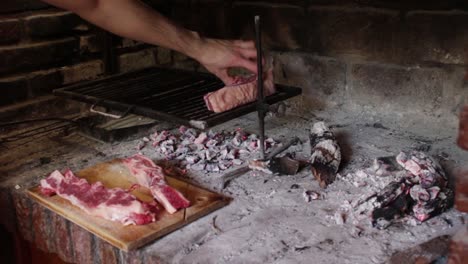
269,221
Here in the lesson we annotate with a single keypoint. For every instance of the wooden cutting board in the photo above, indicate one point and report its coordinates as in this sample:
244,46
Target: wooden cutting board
115,174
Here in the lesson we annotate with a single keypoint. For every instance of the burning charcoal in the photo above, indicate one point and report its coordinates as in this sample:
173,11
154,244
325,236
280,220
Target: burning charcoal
426,170
260,165
212,167
244,152
310,195
224,154
209,154
385,166
211,143
201,165
340,218
237,162
419,194
201,138
391,192
141,145
232,154
326,155
394,210
183,129
192,159
236,141
282,165
186,142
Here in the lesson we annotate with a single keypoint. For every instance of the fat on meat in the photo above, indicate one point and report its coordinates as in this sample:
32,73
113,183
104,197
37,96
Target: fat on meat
95,199
243,91
152,177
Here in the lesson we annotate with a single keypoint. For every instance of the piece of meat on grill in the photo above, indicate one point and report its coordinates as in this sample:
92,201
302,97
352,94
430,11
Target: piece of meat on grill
326,155
152,177
243,91
113,204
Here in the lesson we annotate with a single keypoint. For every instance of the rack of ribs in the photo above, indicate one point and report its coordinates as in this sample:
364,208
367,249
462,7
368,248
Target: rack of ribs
114,204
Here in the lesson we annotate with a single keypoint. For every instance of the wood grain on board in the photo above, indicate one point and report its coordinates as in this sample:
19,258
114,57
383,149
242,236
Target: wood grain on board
114,174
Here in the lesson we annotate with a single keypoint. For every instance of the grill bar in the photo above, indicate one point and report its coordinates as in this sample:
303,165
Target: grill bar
168,94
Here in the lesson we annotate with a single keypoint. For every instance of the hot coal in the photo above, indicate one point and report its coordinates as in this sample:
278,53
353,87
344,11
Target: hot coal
207,151
416,187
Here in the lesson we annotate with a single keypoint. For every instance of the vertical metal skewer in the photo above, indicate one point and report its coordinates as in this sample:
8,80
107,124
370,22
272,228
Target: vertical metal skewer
260,97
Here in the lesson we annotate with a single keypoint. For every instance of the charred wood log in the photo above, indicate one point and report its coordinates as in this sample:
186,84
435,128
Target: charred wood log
326,155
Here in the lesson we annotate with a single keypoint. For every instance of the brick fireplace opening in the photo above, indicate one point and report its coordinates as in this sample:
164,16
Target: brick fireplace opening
386,76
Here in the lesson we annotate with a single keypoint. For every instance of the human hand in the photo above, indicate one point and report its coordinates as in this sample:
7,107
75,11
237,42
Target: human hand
217,56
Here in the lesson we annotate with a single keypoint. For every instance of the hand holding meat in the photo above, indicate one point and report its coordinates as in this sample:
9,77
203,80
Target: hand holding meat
219,55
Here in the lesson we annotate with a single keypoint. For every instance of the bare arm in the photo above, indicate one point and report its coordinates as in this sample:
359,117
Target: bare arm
133,19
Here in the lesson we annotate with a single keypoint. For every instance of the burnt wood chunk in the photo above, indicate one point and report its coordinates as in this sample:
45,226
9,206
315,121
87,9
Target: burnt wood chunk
326,155
463,132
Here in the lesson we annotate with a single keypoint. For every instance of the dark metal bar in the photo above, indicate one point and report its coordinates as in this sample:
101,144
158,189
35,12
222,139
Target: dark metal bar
260,99
109,54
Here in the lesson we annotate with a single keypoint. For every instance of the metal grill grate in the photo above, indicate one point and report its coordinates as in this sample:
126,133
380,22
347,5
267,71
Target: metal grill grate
168,94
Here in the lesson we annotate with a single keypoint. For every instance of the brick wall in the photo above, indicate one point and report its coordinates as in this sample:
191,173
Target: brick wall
401,57
43,48
407,56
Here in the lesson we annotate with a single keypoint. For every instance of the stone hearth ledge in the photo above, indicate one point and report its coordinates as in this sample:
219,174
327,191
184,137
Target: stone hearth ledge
268,221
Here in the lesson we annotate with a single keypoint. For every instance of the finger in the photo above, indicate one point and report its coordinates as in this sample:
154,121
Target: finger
248,64
224,76
248,53
249,44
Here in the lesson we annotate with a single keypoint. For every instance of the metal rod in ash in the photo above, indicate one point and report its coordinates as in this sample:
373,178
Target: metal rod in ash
260,98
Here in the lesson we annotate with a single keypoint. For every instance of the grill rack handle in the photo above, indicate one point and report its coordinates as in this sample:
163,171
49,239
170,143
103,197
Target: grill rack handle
92,110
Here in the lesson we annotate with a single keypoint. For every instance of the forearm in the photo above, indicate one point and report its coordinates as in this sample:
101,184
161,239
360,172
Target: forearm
133,19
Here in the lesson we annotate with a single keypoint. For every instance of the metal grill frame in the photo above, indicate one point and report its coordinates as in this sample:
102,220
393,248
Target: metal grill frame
212,119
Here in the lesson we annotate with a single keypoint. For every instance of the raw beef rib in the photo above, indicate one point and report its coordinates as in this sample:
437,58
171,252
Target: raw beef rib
152,176
112,204
243,91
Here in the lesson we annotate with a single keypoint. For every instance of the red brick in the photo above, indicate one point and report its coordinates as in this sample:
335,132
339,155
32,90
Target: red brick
38,55
461,191
40,226
21,5
107,253
152,259
132,257
8,211
82,71
459,247
10,31
82,245
163,56
283,27
13,90
48,24
429,40
136,60
62,236
23,215
365,34
207,18
89,44
43,82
